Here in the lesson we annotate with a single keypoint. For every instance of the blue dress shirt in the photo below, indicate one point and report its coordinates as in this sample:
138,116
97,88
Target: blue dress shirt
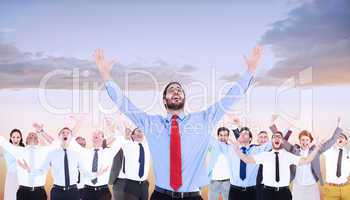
195,132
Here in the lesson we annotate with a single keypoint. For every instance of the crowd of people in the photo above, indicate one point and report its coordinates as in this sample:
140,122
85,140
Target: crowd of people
177,145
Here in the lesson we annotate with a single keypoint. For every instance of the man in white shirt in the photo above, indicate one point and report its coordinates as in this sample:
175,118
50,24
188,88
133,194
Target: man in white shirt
337,163
218,166
94,159
65,162
30,187
135,167
276,176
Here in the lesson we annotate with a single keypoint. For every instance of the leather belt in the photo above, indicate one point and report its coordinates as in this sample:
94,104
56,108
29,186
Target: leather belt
64,188
176,194
243,189
276,188
31,188
96,188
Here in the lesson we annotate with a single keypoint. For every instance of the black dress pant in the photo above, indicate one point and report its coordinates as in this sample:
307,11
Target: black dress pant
118,189
238,193
59,194
27,193
96,194
160,196
126,189
281,194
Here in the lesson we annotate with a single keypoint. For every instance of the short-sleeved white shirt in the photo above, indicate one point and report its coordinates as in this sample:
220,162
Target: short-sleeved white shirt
267,159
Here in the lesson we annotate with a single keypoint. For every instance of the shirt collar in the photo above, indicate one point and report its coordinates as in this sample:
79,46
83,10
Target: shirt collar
181,116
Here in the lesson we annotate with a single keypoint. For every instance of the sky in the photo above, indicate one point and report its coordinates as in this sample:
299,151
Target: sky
47,71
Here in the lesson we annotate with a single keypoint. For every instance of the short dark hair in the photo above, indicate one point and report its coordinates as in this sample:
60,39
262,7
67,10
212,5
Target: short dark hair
278,132
246,129
168,85
223,129
345,136
261,132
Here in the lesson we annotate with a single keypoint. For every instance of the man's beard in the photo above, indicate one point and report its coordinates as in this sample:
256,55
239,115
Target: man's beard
175,106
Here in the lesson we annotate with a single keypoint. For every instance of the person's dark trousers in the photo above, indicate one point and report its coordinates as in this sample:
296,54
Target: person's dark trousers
96,193
240,193
31,193
135,190
118,189
259,185
57,193
81,193
273,194
160,196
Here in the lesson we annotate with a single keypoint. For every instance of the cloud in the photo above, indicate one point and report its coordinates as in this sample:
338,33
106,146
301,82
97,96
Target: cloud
315,34
28,70
7,30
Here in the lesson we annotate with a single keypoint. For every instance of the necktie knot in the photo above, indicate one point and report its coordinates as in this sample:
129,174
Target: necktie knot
174,117
244,150
96,150
276,153
65,150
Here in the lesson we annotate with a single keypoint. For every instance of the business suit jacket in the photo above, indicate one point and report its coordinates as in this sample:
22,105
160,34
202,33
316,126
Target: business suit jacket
315,164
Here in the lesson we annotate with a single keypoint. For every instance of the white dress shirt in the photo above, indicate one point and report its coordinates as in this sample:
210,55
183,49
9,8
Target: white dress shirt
131,161
331,161
304,174
221,170
33,155
55,160
105,159
267,159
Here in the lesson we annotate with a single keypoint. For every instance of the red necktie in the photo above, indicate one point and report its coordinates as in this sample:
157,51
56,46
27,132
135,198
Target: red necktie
175,155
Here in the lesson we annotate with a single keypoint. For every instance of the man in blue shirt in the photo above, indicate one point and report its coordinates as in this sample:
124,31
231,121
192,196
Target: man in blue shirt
178,142
243,176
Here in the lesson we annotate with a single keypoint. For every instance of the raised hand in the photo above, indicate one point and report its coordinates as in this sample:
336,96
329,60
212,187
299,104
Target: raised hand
274,118
104,66
253,60
22,163
38,127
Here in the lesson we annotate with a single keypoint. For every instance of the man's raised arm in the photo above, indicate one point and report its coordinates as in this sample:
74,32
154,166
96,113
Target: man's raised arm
115,93
215,112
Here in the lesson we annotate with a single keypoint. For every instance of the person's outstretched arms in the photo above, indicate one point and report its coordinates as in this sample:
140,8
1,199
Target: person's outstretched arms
115,93
39,129
215,112
14,150
331,141
246,158
311,156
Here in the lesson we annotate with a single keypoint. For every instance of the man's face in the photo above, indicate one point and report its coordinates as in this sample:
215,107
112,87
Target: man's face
277,141
244,137
175,97
97,138
65,135
137,136
223,136
81,141
341,141
32,139
263,138
305,142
